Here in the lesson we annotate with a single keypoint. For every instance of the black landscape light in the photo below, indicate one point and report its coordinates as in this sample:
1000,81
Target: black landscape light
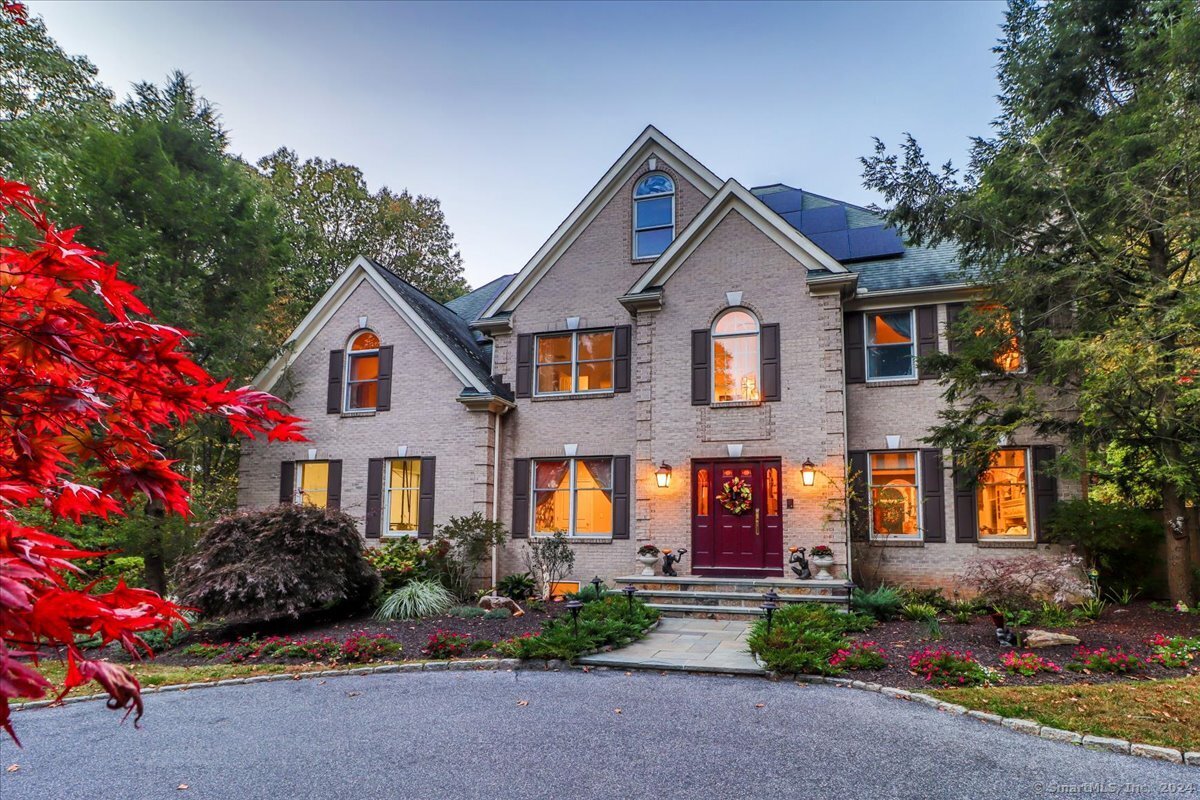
597,582
630,591
573,606
770,603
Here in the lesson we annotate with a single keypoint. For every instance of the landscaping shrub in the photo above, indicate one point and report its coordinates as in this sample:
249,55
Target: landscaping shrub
518,586
549,559
1122,542
414,600
1023,582
358,648
398,561
606,622
943,667
467,612
919,612
1027,663
883,603
468,541
1090,609
962,611
282,561
446,645
366,647
481,645
587,594
1052,615
1104,660
931,597
497,613
859,655
804,637
1173,651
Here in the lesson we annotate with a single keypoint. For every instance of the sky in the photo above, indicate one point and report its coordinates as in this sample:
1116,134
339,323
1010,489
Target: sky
509,112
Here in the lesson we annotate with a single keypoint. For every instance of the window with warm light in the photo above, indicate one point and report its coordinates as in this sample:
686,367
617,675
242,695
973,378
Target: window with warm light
894,494
1003,496
575,363
362,372
312,483
653,215
735,358
1008,357
402,493
891,351
573,495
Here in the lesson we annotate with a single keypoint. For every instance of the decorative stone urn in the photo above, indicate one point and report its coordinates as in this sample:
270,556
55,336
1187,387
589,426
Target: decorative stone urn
648,561
822,563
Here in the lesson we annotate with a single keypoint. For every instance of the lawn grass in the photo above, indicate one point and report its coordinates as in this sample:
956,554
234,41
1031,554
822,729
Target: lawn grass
151,674
1164,712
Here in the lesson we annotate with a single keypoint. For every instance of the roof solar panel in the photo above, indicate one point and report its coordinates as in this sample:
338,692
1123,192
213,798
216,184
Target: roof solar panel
823,220
784,202
793,218
835,243
878,241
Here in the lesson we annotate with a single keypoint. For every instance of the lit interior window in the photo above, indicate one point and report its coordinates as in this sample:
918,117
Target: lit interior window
735,358
312,483
403,495
890,352
362,373
894,497
1003,496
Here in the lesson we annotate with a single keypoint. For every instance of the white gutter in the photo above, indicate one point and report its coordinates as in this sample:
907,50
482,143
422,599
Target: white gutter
496,501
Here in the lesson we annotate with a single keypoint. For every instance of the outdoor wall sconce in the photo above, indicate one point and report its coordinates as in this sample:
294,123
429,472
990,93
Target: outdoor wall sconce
808,472
770,603
663,475
573,606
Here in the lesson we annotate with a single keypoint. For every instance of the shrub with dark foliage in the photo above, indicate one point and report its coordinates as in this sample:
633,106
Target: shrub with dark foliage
282,561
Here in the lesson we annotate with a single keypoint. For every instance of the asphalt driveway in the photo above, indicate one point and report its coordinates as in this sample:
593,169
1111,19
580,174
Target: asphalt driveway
500,735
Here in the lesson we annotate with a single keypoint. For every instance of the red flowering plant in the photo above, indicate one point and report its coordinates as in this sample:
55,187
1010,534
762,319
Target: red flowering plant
859,655
943,667
446,645
1027,664
90,382
1173,651
1104,660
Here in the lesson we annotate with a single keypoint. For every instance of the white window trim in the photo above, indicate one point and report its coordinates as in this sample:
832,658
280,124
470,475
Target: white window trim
298,481
533,496
385,523
673,194
919,536
712,356
351,353
912,365
575,362
1030,525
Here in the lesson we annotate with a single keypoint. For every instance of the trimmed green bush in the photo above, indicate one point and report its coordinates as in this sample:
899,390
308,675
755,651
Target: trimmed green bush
610,621
468,612
804,637
883,603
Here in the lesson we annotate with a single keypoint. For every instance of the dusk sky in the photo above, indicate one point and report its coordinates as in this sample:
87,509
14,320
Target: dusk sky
509,113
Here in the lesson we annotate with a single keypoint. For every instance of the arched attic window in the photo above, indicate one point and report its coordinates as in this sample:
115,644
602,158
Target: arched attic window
362,372
653,215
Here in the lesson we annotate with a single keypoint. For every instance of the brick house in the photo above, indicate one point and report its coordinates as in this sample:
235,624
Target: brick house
676,331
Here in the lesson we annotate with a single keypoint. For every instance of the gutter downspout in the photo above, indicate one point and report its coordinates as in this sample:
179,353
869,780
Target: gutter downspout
496,499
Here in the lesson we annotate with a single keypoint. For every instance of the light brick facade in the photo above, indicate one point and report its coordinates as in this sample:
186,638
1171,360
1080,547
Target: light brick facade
818,416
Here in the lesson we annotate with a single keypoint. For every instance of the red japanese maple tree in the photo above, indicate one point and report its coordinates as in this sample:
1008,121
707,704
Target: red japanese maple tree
87,379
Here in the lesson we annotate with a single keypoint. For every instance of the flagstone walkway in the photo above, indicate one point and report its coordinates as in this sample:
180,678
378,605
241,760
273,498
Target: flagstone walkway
692,645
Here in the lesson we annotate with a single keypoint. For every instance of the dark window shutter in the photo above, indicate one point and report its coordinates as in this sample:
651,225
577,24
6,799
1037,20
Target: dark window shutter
933,495
966,511
1045,487
622,358
620,497
927,335
520,508
852,342
860,503
525,365
771,387
287,481
425,498
383,401
375,468
333,496
701,382
952,312
333,399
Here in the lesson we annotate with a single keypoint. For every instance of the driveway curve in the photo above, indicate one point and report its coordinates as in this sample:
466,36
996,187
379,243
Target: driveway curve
553,735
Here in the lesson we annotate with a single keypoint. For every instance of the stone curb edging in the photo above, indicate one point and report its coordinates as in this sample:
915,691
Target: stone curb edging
1027,726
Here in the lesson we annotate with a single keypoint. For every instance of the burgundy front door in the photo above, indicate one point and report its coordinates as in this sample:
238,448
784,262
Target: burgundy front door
749,543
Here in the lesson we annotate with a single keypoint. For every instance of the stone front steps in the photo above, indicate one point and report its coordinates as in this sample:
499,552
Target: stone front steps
729,598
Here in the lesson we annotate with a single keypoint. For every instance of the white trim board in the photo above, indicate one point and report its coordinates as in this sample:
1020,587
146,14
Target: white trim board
361,271
651,143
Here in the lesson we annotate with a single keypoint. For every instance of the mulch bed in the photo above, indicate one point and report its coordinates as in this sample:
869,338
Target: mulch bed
1127,627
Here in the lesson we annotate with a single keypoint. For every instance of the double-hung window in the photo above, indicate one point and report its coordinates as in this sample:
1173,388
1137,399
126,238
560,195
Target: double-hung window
362,372
653,215
894,490
580,362
312,483
401,502
573,495
891,349
1002,495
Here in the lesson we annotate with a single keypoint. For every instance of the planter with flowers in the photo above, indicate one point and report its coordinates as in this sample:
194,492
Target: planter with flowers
821,557
648,555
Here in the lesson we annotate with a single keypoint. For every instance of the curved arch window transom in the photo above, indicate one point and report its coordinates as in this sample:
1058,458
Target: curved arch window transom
736,358
653,215
362,372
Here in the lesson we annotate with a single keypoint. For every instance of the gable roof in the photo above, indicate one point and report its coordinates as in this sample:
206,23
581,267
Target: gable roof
471,305
443,331
651,142
905,266
733,196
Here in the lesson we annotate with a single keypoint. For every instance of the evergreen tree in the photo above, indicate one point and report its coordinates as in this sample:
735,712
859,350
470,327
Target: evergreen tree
1078,218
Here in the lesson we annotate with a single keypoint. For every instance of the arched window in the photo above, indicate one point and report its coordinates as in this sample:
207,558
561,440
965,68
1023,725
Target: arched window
653,215
735,358
362,372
